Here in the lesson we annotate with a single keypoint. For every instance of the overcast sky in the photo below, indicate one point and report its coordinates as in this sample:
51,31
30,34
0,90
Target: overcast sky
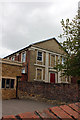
23,23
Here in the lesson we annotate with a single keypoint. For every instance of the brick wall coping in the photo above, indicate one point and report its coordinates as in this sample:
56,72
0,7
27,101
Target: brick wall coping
63,112
6,61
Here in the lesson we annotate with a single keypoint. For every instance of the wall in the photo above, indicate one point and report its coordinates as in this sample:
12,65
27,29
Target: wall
51,45
8,93
10,70
62,92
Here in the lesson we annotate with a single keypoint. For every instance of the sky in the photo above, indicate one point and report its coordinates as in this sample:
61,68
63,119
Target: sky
29,21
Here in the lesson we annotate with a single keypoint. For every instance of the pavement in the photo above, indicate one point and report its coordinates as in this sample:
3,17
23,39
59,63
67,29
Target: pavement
17,106
62,112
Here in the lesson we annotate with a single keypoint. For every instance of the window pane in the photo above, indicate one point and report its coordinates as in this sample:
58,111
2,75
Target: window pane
23,57
23,70
12,83
63,60
39,53
39,57
8,83
3,83
39,74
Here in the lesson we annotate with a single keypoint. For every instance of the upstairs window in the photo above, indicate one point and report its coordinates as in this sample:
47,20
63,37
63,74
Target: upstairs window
39,56
63,60
13,58
58,59
23,57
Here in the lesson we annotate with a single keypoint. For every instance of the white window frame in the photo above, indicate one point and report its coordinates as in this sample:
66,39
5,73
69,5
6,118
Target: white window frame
58,59
63,60
37,56
22,57
42,73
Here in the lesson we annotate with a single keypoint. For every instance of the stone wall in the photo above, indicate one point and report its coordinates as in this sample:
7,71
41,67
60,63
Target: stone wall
61,92
8,93
11,69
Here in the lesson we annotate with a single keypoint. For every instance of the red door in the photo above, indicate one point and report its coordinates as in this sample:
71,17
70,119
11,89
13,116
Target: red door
52,77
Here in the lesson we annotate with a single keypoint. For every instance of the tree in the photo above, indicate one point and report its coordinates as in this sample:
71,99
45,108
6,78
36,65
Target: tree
71,44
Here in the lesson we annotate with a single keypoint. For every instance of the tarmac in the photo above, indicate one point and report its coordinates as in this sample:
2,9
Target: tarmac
17,106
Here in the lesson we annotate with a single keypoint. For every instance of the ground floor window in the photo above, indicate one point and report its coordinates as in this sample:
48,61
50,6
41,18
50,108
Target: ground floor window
8,83
39,74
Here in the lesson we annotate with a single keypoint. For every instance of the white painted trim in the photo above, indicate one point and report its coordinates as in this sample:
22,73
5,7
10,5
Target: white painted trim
41,75
59,59
55,59
8,77
54,70
46,67
25,56
39,65
42,56
50,59
47,51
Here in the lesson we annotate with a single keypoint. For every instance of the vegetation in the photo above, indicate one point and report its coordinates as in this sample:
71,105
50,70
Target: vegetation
71,44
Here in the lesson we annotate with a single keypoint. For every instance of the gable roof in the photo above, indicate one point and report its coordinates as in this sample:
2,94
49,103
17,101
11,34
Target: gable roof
33,44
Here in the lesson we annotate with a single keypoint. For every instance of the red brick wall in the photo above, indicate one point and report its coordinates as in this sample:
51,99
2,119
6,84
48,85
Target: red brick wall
62,92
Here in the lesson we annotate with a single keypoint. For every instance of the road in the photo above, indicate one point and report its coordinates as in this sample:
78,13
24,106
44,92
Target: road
16,106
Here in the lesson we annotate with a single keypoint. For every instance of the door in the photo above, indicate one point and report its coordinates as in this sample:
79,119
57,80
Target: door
52,77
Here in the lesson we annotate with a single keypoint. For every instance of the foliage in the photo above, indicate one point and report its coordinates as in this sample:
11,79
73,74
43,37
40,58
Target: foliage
71,44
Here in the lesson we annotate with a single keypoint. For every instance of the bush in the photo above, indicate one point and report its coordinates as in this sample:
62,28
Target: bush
78,81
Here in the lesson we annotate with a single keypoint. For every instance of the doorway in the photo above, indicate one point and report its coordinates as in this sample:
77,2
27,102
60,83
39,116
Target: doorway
52,77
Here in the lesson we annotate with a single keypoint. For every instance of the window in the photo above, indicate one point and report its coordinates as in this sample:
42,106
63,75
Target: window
13,58
7,83
23,57
39,56
63,60
23,70
39,74
58,59
12,83
3,83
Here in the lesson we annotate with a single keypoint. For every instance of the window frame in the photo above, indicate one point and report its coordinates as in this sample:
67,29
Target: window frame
63,60
13,58
5,87
23,60
40,56
41,73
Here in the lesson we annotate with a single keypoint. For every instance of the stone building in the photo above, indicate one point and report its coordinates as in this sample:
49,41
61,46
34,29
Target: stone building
10,71
39,59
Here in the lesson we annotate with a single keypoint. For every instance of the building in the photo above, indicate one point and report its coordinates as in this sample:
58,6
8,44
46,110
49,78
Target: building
10,72
38,61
